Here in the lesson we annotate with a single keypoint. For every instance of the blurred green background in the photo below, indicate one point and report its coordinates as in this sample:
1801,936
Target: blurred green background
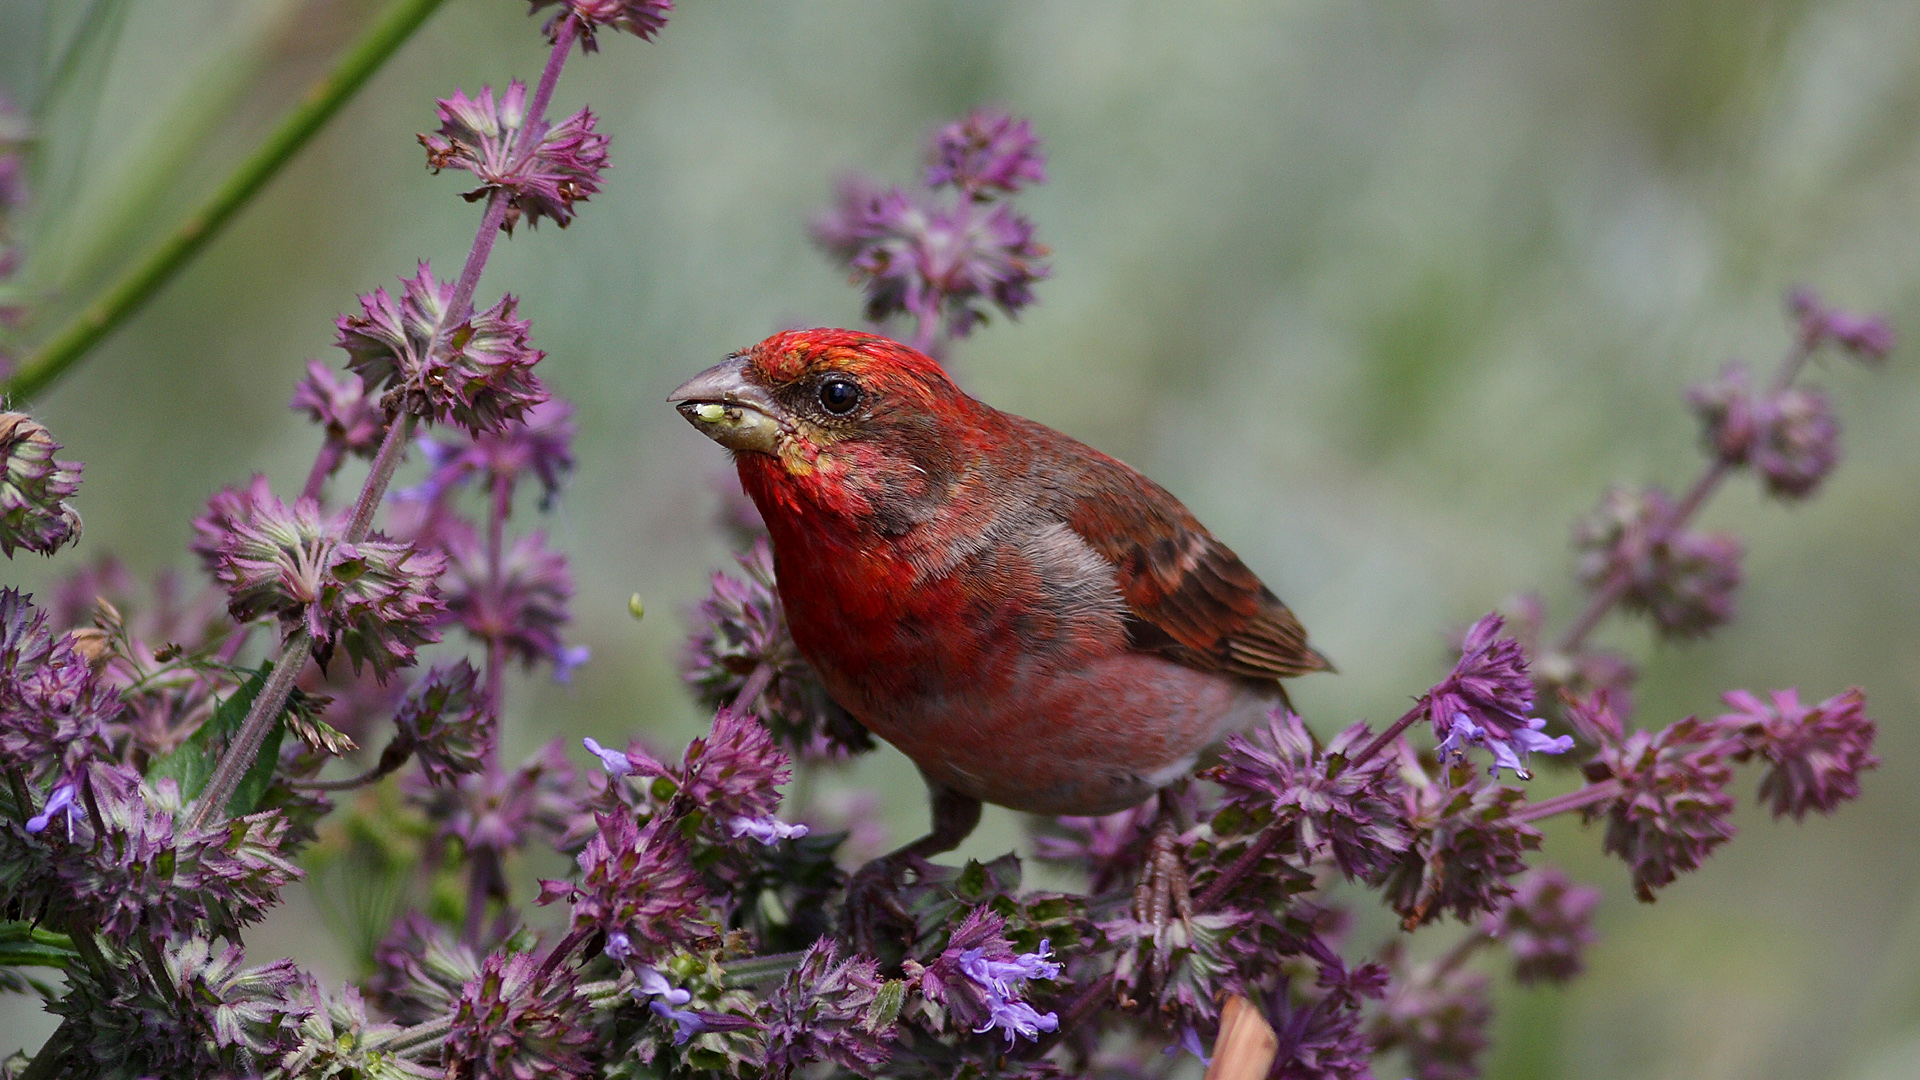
1387,293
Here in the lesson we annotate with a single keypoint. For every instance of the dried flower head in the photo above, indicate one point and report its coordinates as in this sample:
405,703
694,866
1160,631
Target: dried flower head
741,626
637,882
1349,815
447,723
985,154
338,1042
641,18
34,487
1673,806
1684,580
522,607
1486,700
376,598
1816,753
841,1012
477,373
1438,1013
931,261
419,969
1798,444
1320,1034
352,417
1546,925
483,137
56,712
1467,843
1726,412
518,1019
733,771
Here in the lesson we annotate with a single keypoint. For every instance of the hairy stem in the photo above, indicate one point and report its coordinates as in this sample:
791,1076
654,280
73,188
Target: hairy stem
1384,739
246,743
154,269
323,465
393,447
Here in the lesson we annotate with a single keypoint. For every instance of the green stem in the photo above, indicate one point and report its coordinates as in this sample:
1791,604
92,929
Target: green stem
179,247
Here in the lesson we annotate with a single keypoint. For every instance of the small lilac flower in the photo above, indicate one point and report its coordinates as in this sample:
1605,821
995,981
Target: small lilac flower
375,598
569,659
1799,442
1347,815
34,487
1816,752
740,626
687,1024
635,881
641,18
931,261
60,801
1672,809
478,373
1546,925
519,1018
767,830
614,761
1486,699
1189,1041
986,153
1867,337
561,168
832,1011
619,946
447,723
654,984
1684,580
352,417
979,979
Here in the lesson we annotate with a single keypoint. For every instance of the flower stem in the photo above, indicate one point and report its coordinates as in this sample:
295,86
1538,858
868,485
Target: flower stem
1394,730
418,1036
393,447
760,969
1573,800
246,743
174,251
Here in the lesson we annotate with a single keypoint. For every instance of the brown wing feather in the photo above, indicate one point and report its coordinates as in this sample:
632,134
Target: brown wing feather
1191,598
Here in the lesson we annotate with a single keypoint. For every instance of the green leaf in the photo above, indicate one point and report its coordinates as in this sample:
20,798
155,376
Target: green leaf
24,945
253,785
192,763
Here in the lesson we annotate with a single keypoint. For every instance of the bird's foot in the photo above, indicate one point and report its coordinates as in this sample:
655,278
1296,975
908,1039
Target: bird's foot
877,923
1163,892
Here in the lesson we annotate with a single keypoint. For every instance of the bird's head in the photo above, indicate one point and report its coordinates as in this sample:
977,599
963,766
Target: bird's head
857,423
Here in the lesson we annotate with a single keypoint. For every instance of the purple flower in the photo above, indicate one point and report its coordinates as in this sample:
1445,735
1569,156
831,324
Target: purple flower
641,18
1799,442
735,770
1485,700
60,801
1181,969
1322,1039
1726,412
1467,843
478,373
654,984
34,488
826,1011
1438,1014
539,443
1545,924
634,881
523,607
931,261
1816,753
1684,580
1672,808
519,1019
419,969
741,626
1867,337
1348,815
151,874
686,1023
499,810
767,830
979,979
56,713
447,723
984,154
352,417
616,762
375,598
561,168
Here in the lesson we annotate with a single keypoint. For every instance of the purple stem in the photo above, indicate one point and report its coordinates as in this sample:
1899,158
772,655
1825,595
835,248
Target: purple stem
324,463
1573,800
1380,741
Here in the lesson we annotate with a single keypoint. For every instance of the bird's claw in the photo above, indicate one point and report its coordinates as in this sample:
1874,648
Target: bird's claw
874,907
1163,890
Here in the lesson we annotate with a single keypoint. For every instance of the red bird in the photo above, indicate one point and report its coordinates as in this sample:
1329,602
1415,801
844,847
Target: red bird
1032,622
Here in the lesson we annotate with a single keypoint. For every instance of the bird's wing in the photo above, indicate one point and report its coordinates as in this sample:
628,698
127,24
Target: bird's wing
1189,597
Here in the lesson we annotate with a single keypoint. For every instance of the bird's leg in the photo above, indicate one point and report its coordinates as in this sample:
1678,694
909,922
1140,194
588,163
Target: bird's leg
1163,891
873,901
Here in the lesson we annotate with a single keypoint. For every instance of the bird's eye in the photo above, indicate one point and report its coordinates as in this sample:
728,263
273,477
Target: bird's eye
839,394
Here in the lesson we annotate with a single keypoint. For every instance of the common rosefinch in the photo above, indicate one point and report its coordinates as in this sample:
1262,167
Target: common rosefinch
1032,622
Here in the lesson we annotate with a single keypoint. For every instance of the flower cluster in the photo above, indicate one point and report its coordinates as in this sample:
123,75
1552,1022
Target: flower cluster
1545,925
1789,436
842,1012
1486,699
34,489
541,174
1684,580
980,980
933,260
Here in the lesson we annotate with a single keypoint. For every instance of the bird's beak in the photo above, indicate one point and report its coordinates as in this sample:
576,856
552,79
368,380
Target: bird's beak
730,410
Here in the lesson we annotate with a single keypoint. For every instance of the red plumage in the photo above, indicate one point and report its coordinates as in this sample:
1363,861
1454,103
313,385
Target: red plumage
1032,622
